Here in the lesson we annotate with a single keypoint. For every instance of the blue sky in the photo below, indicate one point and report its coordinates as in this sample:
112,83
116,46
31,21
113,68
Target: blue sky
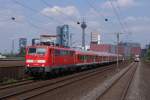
35,17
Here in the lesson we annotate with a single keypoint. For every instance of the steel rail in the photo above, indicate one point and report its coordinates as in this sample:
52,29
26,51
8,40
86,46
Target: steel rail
73,78
128,85
12,85
125,91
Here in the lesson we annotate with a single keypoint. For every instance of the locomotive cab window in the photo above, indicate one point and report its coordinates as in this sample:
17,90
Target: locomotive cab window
32,50
41,51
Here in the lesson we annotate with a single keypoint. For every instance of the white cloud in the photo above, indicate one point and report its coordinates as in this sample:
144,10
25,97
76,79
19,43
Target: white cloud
141,19
57,11
138,24
120,3
125,3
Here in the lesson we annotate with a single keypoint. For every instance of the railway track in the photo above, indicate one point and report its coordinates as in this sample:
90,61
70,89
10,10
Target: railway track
38,88
128,75
4,63
124,94
18,83
12,59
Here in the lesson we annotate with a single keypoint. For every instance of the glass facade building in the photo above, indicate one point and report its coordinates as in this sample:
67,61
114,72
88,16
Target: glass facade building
63,38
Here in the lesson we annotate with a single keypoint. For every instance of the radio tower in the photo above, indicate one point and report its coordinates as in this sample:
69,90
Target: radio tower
83,26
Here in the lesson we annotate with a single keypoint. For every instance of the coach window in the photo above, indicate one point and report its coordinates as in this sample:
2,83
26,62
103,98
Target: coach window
61,52
83,57
86,57
72,53
67,52
64,53
79,57
57,52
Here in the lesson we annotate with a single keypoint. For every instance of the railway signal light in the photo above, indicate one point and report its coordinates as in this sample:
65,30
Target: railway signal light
78,22
13,18
106,19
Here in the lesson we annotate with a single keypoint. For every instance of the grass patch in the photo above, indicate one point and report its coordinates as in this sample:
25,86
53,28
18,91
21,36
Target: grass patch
29,78
8,81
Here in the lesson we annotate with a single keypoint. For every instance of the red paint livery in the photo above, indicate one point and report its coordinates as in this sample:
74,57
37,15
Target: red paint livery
44,59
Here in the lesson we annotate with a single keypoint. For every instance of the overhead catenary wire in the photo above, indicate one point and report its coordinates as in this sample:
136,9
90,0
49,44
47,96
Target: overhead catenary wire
118,8
99,13
14,19
125,24
74,20
32,25
4,20
59,11
117,16
36,11
93,7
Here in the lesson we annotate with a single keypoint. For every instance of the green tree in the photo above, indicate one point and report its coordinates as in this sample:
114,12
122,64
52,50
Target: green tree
148,54
22,52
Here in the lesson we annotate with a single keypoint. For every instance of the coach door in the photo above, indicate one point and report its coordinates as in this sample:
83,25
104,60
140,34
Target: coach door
52,56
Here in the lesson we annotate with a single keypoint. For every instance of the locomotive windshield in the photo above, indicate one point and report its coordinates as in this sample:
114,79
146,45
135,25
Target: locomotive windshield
41,51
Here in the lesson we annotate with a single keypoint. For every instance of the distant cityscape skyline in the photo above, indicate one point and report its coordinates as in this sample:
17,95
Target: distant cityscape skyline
19,18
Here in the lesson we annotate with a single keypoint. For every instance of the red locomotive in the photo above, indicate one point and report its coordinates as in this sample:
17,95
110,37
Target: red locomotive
44,59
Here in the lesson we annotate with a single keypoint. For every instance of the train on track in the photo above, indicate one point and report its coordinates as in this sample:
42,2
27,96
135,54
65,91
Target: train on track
136,58
44,59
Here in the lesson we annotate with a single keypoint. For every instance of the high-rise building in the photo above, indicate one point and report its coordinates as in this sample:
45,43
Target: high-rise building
22,42
130,49
48,39
100,47
126,49
22,45
95,38
63,38
35,41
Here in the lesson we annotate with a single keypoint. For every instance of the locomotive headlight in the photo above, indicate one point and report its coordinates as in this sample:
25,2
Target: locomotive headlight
41,61
42,65
29,61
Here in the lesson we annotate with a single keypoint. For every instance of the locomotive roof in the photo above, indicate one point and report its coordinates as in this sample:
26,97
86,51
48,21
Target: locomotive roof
54,47
78,51
96,53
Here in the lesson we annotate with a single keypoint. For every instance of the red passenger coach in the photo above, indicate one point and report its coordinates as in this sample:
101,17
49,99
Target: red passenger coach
42,59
